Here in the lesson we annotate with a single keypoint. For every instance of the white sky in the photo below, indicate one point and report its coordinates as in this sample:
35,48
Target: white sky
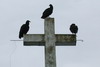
84,13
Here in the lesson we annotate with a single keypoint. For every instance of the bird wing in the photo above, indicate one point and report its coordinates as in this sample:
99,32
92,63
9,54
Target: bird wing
46,11
76,28
21,31
22,28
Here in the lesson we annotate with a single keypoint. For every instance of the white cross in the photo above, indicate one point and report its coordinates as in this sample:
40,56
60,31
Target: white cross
49,40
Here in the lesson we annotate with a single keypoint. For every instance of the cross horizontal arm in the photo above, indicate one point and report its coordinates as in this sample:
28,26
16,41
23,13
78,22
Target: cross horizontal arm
38,40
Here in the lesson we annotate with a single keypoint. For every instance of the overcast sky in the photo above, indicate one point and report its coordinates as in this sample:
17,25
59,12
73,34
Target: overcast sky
84,13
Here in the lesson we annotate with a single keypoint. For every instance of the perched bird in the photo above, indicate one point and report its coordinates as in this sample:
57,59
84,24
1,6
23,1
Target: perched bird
47,12
73,28
24,29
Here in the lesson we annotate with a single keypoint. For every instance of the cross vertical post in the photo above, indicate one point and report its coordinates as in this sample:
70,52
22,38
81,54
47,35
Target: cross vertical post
50,51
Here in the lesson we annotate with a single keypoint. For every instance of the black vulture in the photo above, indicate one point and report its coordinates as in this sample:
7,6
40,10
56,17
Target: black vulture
73,28
47,12
24,29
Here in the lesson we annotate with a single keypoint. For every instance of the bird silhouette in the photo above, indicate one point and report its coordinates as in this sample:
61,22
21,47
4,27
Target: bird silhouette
24,29
73,28
47,12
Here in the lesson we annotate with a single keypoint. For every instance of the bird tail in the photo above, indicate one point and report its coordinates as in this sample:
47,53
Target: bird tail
42,17
19,37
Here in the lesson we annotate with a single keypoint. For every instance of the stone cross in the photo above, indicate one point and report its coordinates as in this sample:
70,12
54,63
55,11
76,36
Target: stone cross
50,40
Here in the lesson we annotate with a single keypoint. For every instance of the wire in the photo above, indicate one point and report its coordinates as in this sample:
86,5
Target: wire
16,40
80,40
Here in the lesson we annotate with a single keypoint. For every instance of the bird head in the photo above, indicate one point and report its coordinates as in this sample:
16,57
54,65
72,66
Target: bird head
27,22
73,24
50,5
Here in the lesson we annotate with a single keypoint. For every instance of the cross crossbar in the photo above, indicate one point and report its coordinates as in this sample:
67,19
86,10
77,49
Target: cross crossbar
39,40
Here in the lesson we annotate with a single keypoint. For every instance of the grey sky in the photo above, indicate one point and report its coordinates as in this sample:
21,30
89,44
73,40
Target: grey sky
84,13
